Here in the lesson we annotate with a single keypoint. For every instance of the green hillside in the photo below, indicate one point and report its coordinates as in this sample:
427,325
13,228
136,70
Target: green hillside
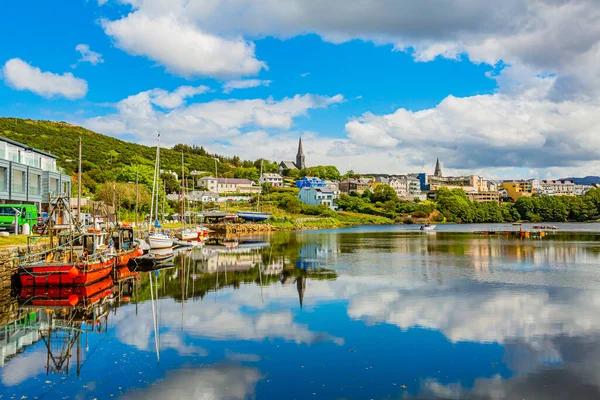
101,154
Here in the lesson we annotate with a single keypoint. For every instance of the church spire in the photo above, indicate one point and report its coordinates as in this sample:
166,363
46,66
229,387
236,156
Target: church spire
438,168
301,286
300,164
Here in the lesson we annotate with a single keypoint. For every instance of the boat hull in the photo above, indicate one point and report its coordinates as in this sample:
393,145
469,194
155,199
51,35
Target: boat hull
124,257
58,274
254,216
160,242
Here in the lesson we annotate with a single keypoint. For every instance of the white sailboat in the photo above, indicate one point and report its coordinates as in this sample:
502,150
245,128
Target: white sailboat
157,240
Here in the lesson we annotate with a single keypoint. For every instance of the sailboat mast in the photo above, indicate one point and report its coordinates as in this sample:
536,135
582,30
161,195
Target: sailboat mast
182,190
156,163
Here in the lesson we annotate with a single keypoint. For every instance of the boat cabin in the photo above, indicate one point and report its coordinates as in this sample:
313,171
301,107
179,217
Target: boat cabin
123,239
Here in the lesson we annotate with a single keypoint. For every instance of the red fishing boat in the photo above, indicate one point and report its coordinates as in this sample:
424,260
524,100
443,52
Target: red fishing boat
78,261
126,247
66,296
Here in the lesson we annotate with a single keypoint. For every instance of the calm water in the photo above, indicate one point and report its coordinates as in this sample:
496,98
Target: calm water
362,313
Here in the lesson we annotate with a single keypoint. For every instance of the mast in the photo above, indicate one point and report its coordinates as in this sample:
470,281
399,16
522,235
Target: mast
156,163
79,185
182,190
137,195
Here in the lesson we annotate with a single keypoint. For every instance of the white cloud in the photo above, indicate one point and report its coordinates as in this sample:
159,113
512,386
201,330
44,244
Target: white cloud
182,47
489,131
175,99
551,36
230,86
21,75
214,382
201,123
88,55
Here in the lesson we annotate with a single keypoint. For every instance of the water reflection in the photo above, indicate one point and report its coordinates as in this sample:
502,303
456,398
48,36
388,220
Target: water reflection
347,314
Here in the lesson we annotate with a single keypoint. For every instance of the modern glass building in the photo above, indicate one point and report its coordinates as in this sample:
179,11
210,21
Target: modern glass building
29,175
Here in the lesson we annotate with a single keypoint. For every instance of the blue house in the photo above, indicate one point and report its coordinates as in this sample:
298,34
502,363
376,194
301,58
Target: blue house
310,181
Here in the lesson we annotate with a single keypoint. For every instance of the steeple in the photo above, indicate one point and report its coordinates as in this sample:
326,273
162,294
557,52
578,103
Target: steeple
438,168
301,286
300,156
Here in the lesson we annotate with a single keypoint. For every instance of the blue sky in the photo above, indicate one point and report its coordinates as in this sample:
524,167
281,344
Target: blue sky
385,89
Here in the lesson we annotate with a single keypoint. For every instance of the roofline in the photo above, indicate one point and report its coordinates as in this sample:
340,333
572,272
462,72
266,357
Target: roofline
26,147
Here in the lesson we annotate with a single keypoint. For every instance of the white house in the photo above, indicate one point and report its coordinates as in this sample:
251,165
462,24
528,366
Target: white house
228,185
406,186
561,188
316,196
273,179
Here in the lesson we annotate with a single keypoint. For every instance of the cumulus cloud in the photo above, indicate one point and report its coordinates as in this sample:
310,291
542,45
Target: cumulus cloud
546,51
21,75
87,55
551,36
220,381
499,130
201,123
230,86
182,47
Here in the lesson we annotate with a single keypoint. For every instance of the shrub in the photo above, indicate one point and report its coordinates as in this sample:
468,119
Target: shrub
419,214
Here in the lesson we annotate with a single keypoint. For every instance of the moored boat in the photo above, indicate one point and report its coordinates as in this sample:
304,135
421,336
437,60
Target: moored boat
81,261
160,241
254,216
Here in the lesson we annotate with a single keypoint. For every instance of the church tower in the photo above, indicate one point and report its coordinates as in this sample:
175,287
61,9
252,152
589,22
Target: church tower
300,164
438,168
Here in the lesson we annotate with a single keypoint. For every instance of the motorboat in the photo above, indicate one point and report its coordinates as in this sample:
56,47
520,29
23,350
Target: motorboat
428,227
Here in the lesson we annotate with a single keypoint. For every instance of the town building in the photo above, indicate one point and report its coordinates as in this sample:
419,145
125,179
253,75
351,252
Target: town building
300,160
560,188
484,197
29,176
228,185
407,187
359,185
517,189
308,181
274,180
318,195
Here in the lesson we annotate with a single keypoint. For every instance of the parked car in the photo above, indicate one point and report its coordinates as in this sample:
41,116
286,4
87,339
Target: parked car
41,221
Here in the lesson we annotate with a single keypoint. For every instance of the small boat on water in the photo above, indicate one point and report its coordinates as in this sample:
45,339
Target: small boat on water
428,227
254,216
152,260
160,241
76,261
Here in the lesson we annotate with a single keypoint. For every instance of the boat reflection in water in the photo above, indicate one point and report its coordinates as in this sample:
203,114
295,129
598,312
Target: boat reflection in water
60,316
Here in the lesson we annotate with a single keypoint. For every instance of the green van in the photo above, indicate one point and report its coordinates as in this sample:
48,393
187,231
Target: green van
29,215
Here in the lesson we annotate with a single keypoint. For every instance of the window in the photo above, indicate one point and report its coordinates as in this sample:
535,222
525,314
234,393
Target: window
2,179
53,185
19,183
34,184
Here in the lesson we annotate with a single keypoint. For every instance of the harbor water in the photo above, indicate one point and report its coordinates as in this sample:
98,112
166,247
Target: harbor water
359,313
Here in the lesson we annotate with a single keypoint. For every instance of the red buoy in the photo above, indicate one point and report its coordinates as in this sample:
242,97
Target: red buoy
73,300
74,272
